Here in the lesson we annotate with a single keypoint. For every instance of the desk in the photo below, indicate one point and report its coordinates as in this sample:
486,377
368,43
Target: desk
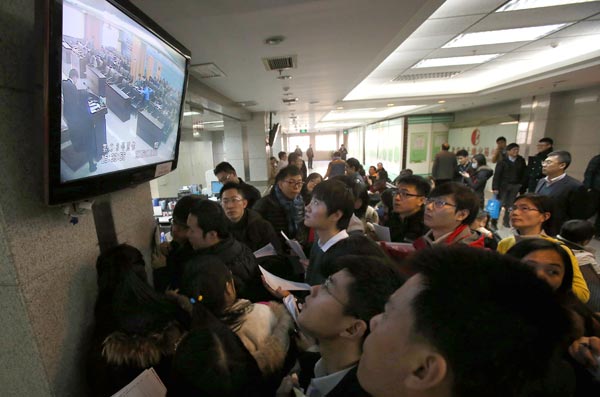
149,128
118,102
96,81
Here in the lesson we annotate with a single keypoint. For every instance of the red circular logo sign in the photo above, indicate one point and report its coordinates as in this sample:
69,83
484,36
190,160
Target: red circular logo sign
475,137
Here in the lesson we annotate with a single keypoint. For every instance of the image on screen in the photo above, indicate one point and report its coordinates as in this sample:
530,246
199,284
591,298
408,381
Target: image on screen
122,90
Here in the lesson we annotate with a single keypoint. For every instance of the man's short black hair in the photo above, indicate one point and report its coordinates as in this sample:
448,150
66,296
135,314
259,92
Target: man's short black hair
512,146
73,73
418,182
290,170
230,186
281,155
374,280
462,153
464,198
549,141
224,166
337,196
500,138
478,309
210,217
354,163
183,207
563,157
577,231
292,157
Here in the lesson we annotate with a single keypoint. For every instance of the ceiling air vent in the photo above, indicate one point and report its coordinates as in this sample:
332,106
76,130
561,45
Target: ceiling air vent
280,63
426,76
289,101
207,70
245,104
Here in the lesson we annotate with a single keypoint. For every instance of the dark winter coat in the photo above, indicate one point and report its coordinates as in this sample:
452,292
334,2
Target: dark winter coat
270,209
170,275
591,179
444,166
509,173
478,180
253,231
534,169
407,229
251,193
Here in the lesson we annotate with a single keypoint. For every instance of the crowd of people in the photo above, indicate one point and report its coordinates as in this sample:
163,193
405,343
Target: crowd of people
446,308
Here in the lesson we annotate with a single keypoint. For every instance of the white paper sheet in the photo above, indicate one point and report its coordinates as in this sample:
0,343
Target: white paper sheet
290,304
382,232
295,246
267,250
274,282
147,384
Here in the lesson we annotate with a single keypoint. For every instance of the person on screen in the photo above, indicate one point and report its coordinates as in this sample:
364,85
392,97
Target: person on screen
78,118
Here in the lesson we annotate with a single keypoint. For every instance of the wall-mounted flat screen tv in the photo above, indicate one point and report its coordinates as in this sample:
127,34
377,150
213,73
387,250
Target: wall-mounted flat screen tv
115,84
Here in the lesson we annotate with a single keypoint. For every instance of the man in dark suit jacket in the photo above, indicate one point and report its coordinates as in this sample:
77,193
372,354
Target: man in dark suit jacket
534,164
226,173
508,179
444,168
569,197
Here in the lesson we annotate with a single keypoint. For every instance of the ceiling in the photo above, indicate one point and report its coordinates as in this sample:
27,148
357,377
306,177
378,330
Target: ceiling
349,51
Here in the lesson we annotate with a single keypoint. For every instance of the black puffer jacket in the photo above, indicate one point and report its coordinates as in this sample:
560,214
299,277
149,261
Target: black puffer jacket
478,180
253,231
592,174
270,209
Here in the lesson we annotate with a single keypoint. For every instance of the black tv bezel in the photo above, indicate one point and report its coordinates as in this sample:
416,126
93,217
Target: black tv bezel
56,191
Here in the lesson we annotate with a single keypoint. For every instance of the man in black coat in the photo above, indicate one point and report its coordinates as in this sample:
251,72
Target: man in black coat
591,181
445,168
508,180
406,221
569,197
534,164
208,235
226,173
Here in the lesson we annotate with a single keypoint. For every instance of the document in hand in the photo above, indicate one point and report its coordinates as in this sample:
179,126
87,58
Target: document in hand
382,232
290,304
267,250
295,246
274,282
147,384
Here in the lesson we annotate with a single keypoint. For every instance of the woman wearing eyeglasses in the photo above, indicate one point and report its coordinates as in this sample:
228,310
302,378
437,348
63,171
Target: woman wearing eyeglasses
527,216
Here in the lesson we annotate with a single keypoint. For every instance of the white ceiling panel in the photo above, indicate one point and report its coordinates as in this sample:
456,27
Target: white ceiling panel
453,8
502,48
452,26
579,29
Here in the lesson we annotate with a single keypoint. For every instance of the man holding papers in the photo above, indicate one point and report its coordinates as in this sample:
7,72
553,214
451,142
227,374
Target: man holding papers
406,220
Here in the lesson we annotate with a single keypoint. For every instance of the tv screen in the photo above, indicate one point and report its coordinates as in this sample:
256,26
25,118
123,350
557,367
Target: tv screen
215,187
119,82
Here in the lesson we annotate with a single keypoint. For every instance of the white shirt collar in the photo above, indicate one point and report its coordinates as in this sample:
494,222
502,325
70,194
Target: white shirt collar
339,236
550,181
325,383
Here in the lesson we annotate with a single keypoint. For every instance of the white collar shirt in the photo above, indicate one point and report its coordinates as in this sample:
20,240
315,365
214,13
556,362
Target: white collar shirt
322,384
329,243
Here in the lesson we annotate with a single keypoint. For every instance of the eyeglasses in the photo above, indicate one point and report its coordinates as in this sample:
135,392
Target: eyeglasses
438,204
292,182
233,200
403,194
224,178
327,287
523,209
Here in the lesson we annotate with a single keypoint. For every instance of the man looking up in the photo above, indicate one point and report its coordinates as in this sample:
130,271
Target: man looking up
296,159
449,211
337,313
569,196
508,180
406,221
328,214
284,206
245,224
226,173
427,345
534,165
208,235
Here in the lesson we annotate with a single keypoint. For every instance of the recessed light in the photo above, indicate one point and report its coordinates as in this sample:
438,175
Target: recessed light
389,105
453,61
340,108
284,77
515,5
442,109
503,36
441,101
274,40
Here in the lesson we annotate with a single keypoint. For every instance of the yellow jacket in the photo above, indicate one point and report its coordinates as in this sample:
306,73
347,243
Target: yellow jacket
579,287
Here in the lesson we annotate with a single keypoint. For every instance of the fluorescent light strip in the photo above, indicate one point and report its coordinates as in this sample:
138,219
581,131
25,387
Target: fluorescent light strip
453,61
367,114
192,113
503,36
515,5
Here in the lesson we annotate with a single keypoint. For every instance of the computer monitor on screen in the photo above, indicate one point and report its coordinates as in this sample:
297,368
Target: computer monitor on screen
215,188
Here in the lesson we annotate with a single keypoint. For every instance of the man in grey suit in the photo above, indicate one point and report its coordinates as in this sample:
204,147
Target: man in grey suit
569,196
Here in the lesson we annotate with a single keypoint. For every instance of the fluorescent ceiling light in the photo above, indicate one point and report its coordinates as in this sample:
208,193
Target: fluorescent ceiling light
367,114
503,36
515,5
192,113
453,61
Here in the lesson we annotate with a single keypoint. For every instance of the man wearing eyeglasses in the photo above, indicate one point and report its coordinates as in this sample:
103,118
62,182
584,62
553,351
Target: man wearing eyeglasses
406,221
226,173
283,207
245,224
449,211
337,313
